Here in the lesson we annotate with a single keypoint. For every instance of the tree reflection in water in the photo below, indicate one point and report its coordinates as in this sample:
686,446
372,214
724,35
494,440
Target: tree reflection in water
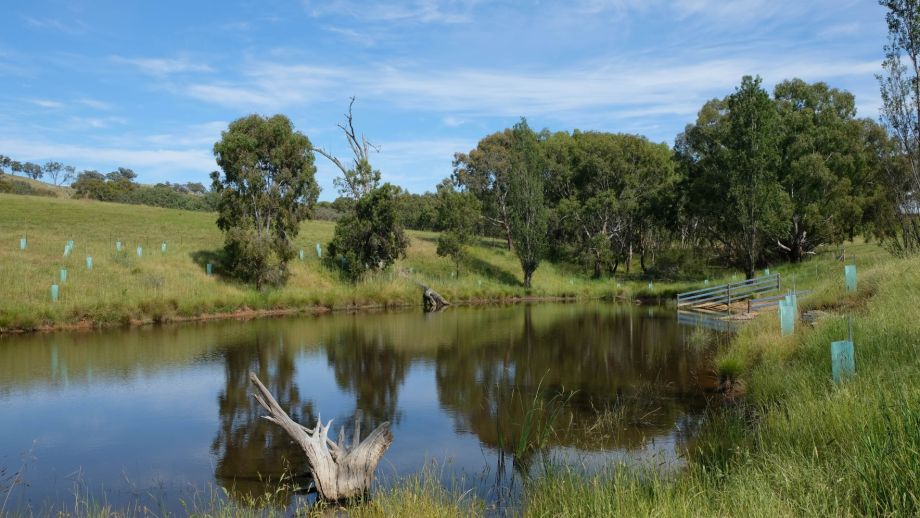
489,366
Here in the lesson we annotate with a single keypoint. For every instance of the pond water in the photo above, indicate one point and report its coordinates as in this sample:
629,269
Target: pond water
155,413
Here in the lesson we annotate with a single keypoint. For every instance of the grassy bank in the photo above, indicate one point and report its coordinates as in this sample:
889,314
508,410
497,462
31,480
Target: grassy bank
796,443
159,287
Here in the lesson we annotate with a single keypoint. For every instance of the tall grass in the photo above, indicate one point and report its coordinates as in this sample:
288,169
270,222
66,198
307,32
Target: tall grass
798,444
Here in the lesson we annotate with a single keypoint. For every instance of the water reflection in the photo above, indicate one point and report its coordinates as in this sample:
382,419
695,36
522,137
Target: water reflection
453,385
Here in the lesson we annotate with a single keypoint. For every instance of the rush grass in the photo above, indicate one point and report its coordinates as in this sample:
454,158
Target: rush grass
797,443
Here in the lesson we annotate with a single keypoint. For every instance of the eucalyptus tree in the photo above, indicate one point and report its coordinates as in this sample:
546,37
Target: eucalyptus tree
731,156
266,190
485,171
53,170
829,165
370,237
900,90
607,190
457,214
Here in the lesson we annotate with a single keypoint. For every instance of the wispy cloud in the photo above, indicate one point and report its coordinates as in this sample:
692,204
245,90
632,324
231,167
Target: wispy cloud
95,104
72,27
662,87
424,11
46,103
161,67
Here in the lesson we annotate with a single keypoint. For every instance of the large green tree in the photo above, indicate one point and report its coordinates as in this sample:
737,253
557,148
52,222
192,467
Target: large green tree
486,172
370,237
900,89
606,190
457,213
829,165
731,156
266,190
528,213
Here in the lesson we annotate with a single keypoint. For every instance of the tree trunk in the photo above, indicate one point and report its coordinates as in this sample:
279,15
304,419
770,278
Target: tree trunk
527,278
432,300
339,472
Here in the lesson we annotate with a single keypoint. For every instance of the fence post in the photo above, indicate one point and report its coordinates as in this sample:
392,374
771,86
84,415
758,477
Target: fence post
729,288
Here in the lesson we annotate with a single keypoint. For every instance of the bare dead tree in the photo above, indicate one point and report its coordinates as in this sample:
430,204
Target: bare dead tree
340,472
361,178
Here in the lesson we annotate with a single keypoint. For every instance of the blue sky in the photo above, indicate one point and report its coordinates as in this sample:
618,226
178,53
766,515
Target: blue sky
150,85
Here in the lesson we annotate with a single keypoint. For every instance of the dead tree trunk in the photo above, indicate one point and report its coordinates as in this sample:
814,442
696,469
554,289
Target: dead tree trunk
339,472
432,300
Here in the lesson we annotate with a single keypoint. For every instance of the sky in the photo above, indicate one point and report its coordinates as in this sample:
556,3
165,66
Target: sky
151,85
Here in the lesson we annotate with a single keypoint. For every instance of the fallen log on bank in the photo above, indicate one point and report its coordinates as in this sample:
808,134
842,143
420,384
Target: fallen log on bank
431,300
340,472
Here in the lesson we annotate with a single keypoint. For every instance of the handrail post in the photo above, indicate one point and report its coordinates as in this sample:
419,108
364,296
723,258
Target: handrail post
729,287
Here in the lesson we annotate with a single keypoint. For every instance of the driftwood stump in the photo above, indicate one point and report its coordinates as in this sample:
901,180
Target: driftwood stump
339,472
432,300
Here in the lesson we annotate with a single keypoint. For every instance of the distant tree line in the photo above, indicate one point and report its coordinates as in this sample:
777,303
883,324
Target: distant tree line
56,172
120,186
756,178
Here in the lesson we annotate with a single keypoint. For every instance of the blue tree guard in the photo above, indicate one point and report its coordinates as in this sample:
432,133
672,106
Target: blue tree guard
63,275
849,275
140,251
651,286
301,254
67,250
843,364
55,290
22,243
786,319
118,246
163,247
89,262
210,269
792,300
766,271
319,251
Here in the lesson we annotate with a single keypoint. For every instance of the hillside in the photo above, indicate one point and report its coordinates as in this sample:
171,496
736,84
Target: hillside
19,183
123,287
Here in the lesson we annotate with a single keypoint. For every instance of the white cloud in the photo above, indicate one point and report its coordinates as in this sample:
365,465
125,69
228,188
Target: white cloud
95,104
635,87
46,103
163,66
424,11
71,27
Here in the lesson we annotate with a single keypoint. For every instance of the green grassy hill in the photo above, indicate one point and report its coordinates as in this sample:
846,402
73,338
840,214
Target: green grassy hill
156,286
23,185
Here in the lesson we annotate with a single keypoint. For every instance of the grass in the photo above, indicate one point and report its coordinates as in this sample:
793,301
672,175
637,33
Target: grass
123,288
797,444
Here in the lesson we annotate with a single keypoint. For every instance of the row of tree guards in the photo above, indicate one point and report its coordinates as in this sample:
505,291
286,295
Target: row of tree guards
120,247
55,291
843,364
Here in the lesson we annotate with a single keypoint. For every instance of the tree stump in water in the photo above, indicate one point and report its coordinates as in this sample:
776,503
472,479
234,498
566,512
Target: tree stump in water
432,300
339,472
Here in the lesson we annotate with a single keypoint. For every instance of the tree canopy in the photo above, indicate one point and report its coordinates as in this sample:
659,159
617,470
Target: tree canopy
266,190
